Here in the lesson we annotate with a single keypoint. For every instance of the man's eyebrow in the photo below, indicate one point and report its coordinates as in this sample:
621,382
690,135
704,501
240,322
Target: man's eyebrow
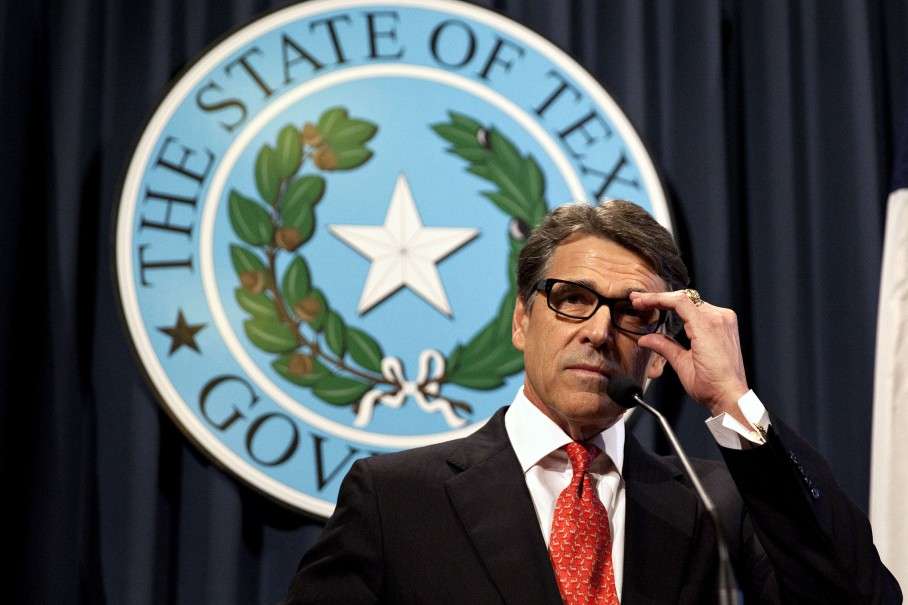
587,284
624,294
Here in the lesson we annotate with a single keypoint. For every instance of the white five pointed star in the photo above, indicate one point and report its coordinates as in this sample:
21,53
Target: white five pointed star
403,252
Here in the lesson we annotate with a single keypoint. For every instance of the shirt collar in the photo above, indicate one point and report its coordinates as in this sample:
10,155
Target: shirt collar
534,435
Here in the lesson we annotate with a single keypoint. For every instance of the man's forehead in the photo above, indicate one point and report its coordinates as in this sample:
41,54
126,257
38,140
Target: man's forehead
592,260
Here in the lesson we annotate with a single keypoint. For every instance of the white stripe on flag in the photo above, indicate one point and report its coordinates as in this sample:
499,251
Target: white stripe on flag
889,456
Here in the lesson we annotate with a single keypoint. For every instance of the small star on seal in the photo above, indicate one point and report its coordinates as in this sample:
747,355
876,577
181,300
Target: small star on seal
182,334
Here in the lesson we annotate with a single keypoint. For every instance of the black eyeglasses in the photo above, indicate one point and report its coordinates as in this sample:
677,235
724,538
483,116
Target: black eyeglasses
577,301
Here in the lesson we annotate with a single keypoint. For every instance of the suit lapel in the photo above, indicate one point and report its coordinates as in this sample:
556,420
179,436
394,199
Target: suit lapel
491,498
659,526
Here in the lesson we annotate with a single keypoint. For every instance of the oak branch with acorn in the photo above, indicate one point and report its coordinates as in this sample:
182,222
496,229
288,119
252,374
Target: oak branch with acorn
290,316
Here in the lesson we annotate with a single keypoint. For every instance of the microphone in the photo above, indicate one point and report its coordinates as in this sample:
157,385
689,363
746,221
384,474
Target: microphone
627,393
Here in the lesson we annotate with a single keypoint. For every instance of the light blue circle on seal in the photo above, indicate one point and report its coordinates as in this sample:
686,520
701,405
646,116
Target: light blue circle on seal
317,232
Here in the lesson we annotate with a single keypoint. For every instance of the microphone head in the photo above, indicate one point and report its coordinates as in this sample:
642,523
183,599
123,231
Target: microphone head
622,390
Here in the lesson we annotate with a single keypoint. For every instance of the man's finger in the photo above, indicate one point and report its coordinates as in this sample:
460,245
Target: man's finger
663,345
676,301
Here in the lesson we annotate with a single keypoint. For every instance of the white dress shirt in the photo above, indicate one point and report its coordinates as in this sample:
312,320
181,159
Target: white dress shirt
537,441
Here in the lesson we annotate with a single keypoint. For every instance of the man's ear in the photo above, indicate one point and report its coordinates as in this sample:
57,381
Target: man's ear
519,324
654,366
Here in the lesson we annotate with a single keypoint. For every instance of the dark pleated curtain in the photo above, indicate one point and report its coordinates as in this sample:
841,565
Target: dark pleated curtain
771,124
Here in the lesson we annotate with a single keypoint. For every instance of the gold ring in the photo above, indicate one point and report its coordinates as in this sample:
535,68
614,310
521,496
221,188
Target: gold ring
694,296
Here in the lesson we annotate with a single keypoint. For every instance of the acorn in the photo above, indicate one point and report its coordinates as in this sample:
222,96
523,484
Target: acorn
288,238
308,308
253,281
300,365
324,158
310,135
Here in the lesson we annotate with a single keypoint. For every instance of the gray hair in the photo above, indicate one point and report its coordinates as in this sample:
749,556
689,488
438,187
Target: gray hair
620,221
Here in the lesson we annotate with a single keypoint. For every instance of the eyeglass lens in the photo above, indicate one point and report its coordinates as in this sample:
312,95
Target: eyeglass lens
579,302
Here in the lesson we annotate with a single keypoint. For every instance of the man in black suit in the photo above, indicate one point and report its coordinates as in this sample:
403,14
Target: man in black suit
471,520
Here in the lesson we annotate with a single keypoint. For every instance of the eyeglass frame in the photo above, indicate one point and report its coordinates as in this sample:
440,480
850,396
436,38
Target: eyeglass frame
545,285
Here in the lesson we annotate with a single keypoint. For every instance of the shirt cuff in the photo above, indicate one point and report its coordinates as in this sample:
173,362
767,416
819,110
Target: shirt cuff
731,434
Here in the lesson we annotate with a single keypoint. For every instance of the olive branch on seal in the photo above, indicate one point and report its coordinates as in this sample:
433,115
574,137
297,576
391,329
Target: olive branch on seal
290,317
488,358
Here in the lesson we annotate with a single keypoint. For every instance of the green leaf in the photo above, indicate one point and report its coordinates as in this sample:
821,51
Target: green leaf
456,136
506,152
481,170
535,181
267,179
258,305
453,360
251,222
318,322
509,185
481,342
289,152
364,349
296,282
304,223
339,390
478,364
490,351
352,133
352,158
482,380
502,352
331,119
471,154
505,313
244,260
270,335
282,366
513,257
464,122
307,191
507,204
335,333
502,335
510,365
298,207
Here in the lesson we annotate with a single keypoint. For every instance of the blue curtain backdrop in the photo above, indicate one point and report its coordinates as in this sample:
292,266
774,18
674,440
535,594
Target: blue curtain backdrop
771,124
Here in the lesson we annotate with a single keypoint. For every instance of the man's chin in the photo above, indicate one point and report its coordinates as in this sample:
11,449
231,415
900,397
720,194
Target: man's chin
595,410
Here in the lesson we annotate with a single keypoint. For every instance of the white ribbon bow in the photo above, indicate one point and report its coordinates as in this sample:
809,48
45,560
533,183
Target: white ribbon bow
392,370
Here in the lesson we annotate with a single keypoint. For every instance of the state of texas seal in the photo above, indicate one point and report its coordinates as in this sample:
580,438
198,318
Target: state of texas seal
318,230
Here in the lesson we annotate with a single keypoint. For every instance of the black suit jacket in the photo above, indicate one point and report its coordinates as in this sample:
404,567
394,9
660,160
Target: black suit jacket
454,523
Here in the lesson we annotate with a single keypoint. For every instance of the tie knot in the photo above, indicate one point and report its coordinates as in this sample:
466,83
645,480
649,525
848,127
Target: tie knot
580,455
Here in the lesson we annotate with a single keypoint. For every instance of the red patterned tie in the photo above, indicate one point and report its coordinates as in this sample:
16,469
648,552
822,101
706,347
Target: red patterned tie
581,541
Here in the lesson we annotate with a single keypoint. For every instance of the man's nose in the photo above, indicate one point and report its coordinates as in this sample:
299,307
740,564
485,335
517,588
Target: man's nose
597,329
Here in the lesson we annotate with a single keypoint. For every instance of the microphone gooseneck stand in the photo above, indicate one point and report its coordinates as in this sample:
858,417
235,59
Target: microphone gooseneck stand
627,393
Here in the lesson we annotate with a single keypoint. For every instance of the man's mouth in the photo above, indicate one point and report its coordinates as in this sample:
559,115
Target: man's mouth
591,369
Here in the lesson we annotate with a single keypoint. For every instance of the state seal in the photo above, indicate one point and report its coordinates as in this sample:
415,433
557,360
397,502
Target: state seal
318,229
